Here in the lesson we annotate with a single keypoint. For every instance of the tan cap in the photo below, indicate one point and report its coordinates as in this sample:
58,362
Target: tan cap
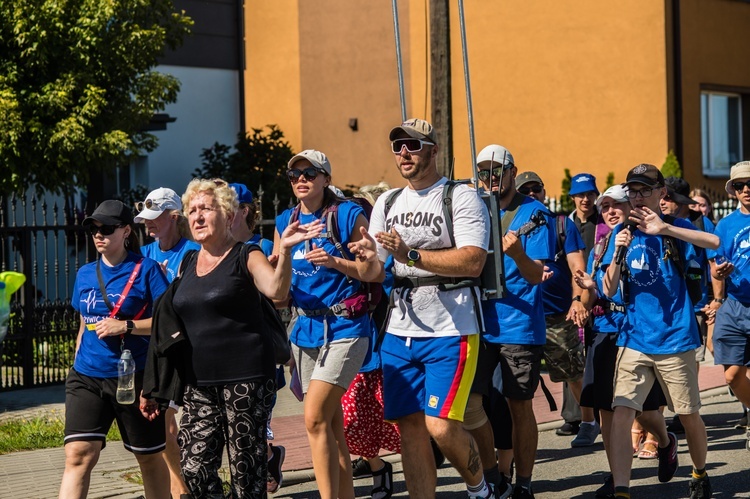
317,158
414,128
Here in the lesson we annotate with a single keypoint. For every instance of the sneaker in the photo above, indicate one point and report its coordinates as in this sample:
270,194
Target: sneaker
676,426
361,468
700,488
503,489
437,454
742,421
747,435
269,431
382,482
607,490
568,429
668,459
586,436
522,492
275,477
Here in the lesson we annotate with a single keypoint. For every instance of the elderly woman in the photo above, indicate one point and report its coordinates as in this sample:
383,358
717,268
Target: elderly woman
114,297
218,303
161,213
329,344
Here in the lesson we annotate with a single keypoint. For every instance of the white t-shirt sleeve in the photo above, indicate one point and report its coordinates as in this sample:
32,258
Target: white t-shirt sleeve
470,218
377,222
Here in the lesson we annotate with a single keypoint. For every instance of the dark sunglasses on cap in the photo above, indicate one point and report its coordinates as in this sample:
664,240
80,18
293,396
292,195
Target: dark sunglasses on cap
739,186
484,175
412,145
526,190
105,230
310,173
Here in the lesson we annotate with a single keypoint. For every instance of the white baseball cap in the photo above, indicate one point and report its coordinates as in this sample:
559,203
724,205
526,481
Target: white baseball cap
157,202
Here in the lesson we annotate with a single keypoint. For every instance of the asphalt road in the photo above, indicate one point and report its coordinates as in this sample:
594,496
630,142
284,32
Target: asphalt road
564,472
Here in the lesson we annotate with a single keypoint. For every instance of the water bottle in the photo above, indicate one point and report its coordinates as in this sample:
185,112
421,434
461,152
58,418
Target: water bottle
126,378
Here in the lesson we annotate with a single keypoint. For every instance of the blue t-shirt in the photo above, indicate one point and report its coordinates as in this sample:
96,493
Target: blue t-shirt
518,319
734,234
173,256
374,359
98,357
557,291
316,288
659,317
611,321
266,246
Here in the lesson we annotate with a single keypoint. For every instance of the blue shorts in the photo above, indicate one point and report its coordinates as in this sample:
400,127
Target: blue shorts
732,334
430,375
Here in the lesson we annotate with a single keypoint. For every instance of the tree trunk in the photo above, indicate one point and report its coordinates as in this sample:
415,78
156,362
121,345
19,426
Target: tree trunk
440,79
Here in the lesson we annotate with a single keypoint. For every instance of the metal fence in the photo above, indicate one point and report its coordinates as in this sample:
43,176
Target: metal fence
43,239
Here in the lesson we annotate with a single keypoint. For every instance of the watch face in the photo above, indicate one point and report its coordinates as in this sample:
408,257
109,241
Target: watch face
413,255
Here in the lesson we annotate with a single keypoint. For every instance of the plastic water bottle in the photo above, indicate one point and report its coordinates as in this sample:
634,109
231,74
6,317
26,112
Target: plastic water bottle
126,378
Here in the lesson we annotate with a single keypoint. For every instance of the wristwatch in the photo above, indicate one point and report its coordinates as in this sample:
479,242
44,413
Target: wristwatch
720,300
413,256
129,326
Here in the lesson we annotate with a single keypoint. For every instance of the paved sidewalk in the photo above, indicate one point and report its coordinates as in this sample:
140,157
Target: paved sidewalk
37,474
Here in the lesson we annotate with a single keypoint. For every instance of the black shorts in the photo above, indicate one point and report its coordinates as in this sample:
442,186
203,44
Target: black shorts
599,377
90,408
520,366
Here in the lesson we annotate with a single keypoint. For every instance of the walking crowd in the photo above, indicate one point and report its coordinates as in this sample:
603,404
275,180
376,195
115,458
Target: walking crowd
410,330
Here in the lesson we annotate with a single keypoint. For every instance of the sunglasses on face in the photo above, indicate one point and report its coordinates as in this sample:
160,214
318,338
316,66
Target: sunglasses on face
412,145
484,175
147,205
310,173
739,186
644,193
526,190
105,230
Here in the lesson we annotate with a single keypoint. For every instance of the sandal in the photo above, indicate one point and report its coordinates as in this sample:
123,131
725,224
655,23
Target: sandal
648,453
637,444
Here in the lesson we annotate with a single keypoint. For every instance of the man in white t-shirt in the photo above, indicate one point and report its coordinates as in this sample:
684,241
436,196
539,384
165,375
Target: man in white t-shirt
430,349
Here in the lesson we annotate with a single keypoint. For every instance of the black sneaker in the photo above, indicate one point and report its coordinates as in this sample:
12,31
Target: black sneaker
382,482
607,490
668,459
568,429
742,421
676,426
503,488
361,468
522,492
700,488
437,454
275,477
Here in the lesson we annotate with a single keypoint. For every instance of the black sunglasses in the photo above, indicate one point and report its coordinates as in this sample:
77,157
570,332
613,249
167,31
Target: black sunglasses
105,230
739,186
310,173
412,145
526,190
484,175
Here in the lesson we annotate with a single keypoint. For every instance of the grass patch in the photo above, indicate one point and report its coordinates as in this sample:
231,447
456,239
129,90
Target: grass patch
40,432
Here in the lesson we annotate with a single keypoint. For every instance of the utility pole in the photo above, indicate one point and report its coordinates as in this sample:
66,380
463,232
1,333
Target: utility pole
440,80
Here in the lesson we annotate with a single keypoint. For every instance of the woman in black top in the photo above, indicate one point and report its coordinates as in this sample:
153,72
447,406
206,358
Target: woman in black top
219,304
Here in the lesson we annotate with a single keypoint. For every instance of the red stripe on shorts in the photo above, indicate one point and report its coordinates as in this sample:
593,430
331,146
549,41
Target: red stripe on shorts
456,384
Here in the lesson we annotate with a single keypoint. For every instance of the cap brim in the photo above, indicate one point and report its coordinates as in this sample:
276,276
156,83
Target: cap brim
147,215
102,219
397,133
680,199
648,183
601,199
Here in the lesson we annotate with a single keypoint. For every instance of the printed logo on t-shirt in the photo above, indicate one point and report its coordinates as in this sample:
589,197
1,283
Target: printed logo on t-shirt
433,401
300,255
425,225
644,264
742,245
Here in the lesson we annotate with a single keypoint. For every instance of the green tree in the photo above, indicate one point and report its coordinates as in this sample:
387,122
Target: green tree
77,86
566,202
671,167
259,160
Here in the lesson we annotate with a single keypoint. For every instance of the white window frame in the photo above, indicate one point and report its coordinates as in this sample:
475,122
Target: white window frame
710,140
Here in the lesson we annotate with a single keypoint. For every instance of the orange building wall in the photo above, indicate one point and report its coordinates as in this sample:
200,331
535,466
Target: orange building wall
715,36
579,85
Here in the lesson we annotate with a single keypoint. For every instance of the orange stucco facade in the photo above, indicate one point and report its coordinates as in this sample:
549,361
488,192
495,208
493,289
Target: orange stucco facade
583,85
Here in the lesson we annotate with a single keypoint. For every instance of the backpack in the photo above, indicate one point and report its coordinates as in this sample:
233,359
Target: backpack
373,290
693,275
560,225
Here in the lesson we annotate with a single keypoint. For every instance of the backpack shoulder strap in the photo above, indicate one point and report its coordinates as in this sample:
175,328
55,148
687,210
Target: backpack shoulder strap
560,227
510,212
391,199
672,249
448,189
187,260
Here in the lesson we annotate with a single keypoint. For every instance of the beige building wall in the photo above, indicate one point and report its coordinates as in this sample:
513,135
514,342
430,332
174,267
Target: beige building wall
715,36
580,85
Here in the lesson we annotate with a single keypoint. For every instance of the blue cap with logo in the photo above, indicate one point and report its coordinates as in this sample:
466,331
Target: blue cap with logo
583,182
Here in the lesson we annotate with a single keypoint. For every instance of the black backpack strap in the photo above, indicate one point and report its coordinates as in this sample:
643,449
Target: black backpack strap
448,189
390,200
560,226
187,259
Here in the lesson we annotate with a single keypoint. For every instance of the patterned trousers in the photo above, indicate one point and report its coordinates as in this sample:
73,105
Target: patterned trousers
234,415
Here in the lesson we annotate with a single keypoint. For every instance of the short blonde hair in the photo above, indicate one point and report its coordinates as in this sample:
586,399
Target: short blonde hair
372,192
225,196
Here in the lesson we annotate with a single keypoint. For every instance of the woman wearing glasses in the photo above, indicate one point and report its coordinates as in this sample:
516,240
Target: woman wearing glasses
329,344
114,297
161,212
